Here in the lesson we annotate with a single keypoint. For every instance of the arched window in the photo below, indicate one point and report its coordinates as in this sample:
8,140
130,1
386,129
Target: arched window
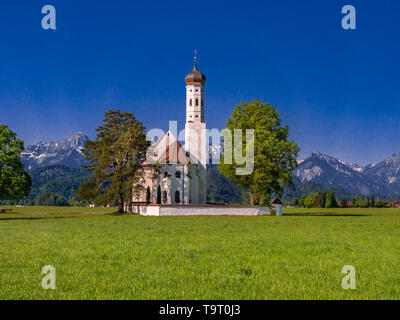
178,174
166,174
177,197
190,102
197,102
164,197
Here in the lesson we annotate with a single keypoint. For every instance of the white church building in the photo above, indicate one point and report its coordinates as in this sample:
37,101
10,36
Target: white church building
180,176
174,175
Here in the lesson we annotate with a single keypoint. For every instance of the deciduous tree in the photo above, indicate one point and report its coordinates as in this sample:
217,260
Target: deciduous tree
302,199
15,183
330,200
309,202
274,155
343,203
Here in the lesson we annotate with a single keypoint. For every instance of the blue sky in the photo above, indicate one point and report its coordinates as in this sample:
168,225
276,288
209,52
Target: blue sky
337,89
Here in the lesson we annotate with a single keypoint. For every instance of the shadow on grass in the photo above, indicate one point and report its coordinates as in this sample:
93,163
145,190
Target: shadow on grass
47,216
325,214
117,214
43,217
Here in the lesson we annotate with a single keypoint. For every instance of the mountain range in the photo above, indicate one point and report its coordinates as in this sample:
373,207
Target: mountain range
63,152
381,179
318,172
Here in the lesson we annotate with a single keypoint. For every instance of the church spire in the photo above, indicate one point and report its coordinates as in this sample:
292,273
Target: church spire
195,76
195,60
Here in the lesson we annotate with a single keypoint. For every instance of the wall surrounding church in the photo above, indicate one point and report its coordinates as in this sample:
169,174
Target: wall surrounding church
201,210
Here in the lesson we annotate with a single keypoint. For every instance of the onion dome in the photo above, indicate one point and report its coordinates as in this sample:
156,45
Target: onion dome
195,76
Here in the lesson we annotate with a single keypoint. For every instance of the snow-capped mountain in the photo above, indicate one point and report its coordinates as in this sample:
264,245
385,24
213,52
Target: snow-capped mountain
386,173
329,171
379,179
353,166
66,152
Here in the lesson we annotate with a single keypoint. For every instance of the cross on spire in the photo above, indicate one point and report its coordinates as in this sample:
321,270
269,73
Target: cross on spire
195,60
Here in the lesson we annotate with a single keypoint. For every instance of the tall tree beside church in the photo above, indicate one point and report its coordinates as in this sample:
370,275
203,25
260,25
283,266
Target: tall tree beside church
15,183
274,155
116,158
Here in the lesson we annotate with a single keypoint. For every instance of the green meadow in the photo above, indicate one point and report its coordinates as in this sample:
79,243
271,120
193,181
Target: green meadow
101,255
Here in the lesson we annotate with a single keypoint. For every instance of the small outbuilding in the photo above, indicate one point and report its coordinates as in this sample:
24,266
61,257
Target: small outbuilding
278,205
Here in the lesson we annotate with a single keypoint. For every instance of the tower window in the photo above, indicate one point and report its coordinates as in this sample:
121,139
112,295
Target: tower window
190,102
197,102
178,174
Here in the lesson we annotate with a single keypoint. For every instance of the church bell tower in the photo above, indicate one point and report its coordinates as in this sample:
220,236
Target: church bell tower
195,129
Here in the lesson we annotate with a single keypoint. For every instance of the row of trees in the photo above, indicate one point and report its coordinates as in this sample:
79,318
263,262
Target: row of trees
315,200
49,199
328,200
46,199
366,202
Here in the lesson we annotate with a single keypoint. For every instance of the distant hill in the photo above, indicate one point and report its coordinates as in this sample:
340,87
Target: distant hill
58,179
220,189
63,152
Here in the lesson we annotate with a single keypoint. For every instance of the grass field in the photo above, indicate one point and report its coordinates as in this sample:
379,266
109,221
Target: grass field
109,256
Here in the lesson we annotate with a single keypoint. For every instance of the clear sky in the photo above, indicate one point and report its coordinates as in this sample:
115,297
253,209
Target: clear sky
337,89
